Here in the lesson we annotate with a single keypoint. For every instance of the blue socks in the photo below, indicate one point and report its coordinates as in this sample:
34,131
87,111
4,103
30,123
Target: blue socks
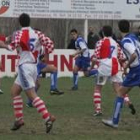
53,80
117,110
75,79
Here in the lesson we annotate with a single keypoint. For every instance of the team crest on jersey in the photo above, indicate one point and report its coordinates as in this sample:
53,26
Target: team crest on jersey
4,6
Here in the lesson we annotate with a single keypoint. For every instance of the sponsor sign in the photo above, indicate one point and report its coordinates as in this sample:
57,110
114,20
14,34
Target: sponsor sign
72,9
61,58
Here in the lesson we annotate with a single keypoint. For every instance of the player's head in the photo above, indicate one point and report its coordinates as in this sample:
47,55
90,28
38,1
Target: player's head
24,20
124,26
107,30
74,34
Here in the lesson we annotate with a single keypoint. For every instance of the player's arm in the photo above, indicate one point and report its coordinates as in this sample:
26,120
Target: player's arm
3,42
83,47
44,58
93,62
8,39
96,55
121,57
45,42
78,52
131,60
131,50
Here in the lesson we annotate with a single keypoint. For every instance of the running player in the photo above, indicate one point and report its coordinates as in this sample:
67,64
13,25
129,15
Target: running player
27,43
108,54
131,47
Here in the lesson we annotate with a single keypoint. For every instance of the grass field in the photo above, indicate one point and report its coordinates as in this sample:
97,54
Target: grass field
74,113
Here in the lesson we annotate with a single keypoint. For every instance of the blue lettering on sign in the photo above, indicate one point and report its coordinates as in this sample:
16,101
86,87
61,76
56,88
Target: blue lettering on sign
132,1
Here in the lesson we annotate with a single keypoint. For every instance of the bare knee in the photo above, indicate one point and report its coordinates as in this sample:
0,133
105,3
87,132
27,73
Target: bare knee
15,90
54,69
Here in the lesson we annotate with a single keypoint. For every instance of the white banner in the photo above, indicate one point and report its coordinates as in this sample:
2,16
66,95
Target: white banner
61,58
72,9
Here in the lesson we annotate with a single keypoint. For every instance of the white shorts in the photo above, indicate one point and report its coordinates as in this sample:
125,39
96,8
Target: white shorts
27,75
101,80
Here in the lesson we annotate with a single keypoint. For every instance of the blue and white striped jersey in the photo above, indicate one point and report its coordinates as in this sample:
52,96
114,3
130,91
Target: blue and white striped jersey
130,45
81,44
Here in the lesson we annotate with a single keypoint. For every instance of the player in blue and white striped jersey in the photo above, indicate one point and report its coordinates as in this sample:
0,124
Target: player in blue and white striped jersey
131,47
82,58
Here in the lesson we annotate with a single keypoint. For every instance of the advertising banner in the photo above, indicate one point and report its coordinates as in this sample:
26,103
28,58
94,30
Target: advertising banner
61,58
72,9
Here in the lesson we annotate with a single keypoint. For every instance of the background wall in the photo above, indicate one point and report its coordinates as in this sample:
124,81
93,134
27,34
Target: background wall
58,29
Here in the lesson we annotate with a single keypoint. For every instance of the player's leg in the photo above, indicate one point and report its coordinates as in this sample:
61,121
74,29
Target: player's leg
77,67
100,81
129,104
27,74
116,82
41,108
54,72
75,78
29,101
117,109
85,62
97,100
36,101
132,79
40,66
17,106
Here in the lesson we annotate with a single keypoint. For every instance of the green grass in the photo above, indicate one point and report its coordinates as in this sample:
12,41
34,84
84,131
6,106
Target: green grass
73,111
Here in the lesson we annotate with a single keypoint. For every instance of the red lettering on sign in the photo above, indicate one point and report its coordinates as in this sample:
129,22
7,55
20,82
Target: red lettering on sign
65,62
2,68
13,59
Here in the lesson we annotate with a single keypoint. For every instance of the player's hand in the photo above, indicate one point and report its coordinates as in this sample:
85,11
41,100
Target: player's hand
126,70
8,39
123,75
75,56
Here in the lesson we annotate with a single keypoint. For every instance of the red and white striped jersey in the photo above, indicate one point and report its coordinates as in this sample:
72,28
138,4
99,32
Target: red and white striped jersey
28,42
108,52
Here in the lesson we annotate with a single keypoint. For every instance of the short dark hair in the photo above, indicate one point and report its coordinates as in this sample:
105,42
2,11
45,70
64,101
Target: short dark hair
107,30
24,20
124,26
74,30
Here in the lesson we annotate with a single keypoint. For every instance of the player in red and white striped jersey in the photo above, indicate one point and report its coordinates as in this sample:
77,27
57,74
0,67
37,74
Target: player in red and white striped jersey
107,54
27,42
